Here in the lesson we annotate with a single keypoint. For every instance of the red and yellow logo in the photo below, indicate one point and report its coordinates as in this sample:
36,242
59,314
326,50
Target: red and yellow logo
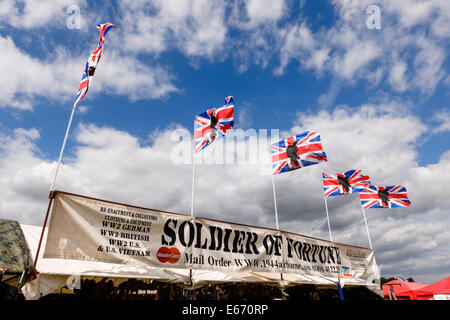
170,255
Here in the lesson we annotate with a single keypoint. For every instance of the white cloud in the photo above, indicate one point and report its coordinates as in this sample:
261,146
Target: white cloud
263,11
25,175
357,138
195,27
127,76
26,14
443,118
440,25
82,109
328,98
298,42
355,58
411,12
58,76
412,56
397,76
428,64
13,59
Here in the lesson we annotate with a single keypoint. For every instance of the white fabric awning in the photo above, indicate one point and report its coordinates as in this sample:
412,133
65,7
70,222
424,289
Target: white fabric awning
56,273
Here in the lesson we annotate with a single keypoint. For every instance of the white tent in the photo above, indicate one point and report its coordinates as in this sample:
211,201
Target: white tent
57,273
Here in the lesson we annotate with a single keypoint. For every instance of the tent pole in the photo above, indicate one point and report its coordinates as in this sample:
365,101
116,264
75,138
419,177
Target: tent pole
51,197
341,293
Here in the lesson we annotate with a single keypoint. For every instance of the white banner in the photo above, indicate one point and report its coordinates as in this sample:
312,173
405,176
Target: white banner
83,228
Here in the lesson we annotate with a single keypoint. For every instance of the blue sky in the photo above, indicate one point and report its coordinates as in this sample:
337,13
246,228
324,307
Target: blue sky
380,95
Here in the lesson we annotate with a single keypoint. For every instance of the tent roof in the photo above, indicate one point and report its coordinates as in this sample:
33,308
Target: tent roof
440,287
53,273
65,267
15,255
401,288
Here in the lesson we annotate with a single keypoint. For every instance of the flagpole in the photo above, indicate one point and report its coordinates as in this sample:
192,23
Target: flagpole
275,201
52,188
193,173
328,218
276,212
367,228
193,185
326,210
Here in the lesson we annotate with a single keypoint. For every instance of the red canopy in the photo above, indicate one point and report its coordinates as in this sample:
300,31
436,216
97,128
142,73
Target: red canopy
440,287
403,290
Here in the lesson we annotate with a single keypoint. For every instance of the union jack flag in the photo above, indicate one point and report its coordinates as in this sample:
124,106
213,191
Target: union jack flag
344,183
104,28
384,197
92,62
213,124
298,151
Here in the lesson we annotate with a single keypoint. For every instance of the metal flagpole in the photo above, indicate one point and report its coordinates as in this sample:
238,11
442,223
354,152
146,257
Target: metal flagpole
331,239
328,218
367,228
275,201
52,188
326,210
193,193
276,214
193,174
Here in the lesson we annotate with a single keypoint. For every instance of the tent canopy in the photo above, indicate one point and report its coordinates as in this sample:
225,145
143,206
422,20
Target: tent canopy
440,287
56,273
403,290
15,256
